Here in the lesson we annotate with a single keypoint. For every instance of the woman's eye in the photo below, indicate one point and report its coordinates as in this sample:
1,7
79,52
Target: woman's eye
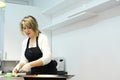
24,28
29,27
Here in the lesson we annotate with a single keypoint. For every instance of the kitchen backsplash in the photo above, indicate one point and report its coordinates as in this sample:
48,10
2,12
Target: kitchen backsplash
7,66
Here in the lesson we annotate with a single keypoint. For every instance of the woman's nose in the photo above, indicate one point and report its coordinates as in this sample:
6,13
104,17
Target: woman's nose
27,30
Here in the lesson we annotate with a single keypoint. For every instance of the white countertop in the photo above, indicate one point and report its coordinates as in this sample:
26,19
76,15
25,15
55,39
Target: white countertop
36,76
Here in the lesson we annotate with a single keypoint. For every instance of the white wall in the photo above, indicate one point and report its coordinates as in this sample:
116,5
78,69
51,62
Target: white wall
92,47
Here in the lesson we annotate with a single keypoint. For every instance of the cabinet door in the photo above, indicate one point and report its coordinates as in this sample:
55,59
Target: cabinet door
12,36
1,31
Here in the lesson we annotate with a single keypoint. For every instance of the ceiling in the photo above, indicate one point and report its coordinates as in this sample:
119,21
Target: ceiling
45,4
56,5
67,4
22,2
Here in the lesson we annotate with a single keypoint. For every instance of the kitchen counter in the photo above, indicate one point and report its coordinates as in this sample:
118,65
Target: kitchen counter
40,76
13,78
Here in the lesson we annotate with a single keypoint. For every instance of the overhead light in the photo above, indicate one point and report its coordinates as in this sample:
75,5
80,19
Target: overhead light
2,4
117,0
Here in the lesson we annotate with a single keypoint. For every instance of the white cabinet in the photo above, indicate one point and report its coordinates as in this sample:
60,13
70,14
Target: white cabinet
1,31
61,16
12,36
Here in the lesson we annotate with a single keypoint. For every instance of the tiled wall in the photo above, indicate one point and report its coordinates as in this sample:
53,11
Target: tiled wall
7,66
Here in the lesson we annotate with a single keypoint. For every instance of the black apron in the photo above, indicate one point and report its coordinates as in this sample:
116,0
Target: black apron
35,53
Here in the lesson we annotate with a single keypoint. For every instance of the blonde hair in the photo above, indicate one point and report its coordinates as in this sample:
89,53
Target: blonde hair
30,22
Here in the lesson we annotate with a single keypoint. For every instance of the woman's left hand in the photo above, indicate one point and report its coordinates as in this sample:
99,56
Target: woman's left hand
25,68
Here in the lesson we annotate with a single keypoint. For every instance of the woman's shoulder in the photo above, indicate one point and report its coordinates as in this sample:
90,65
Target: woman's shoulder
25,40
41,35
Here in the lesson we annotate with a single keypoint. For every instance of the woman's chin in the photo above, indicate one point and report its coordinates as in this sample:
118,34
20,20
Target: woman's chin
28,36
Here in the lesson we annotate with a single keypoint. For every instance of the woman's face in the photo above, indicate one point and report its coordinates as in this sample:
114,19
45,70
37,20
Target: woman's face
28,31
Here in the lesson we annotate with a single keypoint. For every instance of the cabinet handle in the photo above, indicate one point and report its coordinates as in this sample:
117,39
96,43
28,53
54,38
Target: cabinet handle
5,55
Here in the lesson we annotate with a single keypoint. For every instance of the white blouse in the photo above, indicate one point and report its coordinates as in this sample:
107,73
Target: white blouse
43,44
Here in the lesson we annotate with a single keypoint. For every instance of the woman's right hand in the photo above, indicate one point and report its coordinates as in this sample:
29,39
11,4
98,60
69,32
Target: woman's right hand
16,69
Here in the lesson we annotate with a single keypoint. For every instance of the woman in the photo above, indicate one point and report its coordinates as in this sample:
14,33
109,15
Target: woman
36,54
